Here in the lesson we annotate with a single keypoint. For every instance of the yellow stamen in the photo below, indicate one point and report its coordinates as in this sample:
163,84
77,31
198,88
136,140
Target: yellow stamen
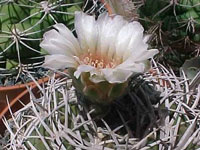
98,61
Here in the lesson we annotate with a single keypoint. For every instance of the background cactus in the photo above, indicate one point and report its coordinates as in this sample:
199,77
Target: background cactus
22,25
175,25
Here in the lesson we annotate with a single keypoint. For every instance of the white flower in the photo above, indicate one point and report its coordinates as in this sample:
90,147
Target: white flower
109,48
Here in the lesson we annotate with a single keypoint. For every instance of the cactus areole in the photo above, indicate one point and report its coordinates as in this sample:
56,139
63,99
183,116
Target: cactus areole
103,57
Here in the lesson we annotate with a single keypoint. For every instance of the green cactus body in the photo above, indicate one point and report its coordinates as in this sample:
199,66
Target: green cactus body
174,20
12,13
35,20
175,25
30,19
12,53
186,5
190,15
12,27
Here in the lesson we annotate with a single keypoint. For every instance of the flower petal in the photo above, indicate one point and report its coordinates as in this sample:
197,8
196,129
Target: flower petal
128,39
67,34
132,66
108,29
116,75
81,69
86,30
58,61
146,55
141,55
56,43
123,71
146,38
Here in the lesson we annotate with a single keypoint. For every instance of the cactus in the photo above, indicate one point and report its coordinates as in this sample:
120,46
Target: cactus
22,24
181,17
189,13
57,120
175,25
135,120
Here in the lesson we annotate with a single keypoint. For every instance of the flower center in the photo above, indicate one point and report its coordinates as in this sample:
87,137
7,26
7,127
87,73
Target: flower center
97,61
